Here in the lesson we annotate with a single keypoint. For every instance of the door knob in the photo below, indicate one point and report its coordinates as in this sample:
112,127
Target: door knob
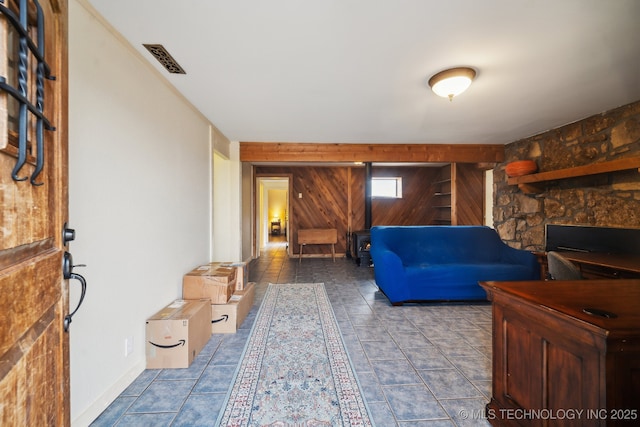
68,234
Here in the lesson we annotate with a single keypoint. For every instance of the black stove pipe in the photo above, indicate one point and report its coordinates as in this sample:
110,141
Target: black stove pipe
367,195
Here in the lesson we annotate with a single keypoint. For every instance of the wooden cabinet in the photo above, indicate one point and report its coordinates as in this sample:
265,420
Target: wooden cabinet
556,364
458,195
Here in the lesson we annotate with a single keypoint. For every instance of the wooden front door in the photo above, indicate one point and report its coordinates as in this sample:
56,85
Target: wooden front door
34,348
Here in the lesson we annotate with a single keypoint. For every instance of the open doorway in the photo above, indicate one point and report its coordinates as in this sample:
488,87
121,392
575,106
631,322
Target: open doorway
272,212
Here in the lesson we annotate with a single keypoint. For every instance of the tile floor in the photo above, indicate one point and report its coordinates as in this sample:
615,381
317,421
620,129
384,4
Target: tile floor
418,365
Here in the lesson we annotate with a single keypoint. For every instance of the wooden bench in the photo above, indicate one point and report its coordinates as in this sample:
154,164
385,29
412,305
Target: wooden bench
318,236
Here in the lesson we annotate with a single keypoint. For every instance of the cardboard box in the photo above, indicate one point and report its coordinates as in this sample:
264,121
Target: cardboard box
242,273
211,281
177,333
227,318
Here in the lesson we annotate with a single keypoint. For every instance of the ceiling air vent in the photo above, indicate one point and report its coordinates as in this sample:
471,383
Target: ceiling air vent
167,61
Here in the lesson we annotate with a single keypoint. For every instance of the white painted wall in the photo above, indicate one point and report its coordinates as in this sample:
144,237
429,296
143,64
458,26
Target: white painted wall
139,199
226,210
488,198
248,207
227,221
236,204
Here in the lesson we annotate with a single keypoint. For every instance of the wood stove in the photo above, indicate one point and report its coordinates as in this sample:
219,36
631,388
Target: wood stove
361,244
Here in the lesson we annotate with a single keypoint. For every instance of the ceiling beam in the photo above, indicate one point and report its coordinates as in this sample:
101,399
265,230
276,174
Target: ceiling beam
332,152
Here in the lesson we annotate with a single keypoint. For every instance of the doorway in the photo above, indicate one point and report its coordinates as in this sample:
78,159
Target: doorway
272,212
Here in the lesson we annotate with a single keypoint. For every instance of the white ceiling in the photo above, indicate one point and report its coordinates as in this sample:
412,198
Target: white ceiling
356,70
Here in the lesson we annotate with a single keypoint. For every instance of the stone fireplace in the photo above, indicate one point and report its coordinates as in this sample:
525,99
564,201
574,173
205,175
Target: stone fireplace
609,199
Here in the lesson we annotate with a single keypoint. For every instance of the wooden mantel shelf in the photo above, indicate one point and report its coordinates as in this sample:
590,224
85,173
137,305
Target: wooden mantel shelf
593,169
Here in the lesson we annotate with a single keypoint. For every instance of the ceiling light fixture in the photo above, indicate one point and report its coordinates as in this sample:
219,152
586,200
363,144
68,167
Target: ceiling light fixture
452,82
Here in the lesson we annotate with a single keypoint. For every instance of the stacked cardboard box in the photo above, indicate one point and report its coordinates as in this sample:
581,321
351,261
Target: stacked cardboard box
227,286
217,298
227,318
213,281
242,273
177,333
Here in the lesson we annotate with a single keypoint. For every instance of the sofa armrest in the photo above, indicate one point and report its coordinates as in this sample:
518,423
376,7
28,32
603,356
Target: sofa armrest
523,257
390,275
388,258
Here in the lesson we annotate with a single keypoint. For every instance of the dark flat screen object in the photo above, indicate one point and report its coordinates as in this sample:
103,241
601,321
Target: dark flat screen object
608,240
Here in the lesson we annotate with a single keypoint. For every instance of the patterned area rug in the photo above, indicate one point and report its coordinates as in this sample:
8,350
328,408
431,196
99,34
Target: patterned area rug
295,370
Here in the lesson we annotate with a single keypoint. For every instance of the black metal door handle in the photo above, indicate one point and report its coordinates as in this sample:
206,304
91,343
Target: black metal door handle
83,282
67,271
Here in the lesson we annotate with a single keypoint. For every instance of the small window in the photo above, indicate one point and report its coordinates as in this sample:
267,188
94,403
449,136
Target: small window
386,187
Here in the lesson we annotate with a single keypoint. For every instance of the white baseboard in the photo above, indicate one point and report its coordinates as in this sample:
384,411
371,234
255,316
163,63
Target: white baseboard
100,404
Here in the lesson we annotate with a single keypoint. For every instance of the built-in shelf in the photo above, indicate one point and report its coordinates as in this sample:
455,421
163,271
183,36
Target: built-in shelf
527,182
443,193
442,181
458,195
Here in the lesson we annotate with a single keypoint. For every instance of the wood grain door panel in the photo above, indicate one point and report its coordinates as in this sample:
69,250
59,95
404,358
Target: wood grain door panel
34,353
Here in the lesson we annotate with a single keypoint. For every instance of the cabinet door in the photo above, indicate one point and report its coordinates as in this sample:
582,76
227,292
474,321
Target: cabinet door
543,363
623,381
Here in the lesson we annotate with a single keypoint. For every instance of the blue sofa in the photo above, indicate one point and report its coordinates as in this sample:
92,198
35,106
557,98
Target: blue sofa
444,263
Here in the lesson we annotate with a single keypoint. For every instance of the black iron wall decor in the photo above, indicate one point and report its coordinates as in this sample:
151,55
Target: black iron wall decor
25,25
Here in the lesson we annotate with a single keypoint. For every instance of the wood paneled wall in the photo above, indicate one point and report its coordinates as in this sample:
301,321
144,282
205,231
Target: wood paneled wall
333,197
469,188
415,207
